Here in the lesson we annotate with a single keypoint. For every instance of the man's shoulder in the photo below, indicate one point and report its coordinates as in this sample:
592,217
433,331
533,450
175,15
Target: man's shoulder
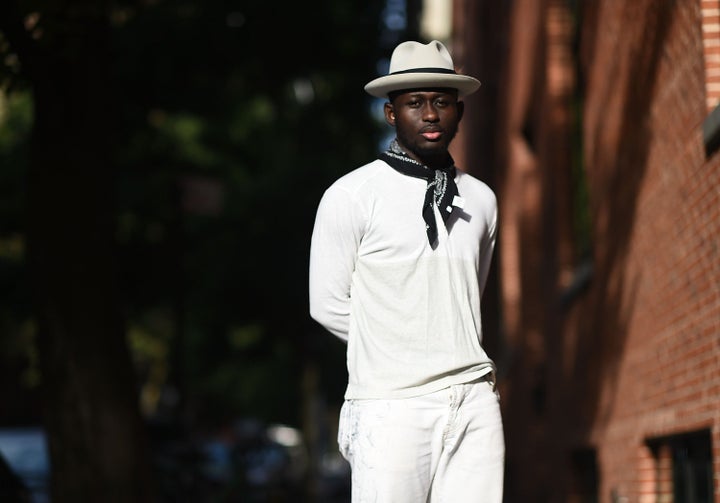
471,182
360,176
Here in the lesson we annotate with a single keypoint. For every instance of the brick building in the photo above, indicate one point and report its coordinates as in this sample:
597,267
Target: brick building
596,126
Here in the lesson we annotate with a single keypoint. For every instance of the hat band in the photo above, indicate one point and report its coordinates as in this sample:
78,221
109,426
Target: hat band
425,70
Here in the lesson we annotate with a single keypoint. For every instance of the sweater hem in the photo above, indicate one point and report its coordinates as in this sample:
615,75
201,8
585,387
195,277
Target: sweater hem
356,392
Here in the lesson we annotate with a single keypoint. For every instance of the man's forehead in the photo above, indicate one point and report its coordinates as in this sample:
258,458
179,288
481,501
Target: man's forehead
424,91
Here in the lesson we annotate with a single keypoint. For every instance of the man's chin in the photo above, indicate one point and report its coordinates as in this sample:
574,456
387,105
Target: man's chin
432,148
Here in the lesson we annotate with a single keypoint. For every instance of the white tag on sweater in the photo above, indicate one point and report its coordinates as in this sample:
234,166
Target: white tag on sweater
458,202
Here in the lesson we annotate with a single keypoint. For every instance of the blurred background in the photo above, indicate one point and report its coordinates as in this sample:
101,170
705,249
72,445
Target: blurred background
160,166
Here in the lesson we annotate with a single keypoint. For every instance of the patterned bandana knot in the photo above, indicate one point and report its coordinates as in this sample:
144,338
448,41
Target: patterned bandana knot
440,191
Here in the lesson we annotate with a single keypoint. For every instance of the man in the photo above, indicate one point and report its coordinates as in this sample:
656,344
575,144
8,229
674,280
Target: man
398,262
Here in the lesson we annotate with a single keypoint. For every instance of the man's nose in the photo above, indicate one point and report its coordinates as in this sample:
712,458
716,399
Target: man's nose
430,114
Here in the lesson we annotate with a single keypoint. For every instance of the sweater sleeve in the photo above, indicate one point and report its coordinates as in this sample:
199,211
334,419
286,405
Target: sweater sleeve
334,246
487,246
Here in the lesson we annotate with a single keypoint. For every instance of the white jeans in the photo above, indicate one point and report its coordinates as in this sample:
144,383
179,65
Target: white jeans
443,447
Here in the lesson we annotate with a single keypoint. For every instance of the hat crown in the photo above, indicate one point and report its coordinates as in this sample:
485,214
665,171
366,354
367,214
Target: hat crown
412,55
414,65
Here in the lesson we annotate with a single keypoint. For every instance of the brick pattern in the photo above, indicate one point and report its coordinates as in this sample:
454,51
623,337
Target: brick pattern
635,356
711,47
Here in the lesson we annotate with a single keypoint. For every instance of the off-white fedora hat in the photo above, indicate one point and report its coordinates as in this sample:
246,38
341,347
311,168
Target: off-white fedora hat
414,65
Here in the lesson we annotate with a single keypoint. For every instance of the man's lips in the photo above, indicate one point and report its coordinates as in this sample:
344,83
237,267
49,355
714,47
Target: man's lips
431,135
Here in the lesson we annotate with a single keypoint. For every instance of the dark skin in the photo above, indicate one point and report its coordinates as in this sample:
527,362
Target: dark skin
425,122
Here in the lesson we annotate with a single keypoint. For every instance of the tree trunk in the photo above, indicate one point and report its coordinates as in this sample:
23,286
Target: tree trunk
96,434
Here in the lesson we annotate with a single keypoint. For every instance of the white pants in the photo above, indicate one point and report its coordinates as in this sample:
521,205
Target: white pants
444,447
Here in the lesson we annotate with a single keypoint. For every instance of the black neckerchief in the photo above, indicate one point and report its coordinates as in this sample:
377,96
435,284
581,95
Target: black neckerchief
441,189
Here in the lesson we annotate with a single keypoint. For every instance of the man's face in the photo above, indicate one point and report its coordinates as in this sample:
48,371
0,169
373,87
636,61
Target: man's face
425,121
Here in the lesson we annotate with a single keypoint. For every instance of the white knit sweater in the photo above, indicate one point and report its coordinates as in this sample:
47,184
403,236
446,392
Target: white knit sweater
410,315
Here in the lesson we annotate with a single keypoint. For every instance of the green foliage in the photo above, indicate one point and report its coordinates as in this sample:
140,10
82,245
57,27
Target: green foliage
19,376
234,116
16,111
263,103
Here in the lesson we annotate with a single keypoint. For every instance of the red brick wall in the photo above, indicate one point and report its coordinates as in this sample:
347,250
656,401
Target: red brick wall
711,45
636,355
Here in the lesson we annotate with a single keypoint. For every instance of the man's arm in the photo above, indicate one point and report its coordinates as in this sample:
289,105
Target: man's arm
487,247
333,251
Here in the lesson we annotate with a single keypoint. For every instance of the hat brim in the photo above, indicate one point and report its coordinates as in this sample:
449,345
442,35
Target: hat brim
381,86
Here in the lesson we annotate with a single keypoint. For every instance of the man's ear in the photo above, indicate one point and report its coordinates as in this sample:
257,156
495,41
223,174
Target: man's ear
389,113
